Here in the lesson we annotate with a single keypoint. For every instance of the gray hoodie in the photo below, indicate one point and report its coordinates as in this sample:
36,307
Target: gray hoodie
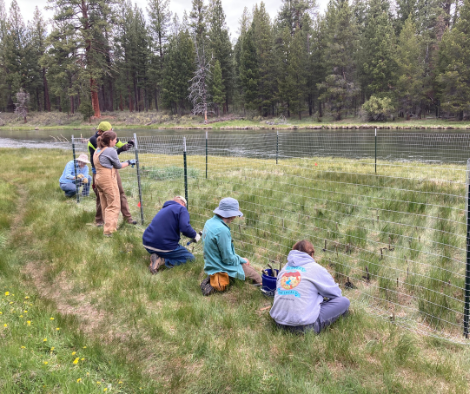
301,286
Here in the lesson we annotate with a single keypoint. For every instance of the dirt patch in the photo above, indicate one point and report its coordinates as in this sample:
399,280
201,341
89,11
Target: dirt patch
89,317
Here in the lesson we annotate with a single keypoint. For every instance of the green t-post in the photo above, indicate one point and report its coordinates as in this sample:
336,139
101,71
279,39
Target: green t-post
75,169
185,173
467,268
376,150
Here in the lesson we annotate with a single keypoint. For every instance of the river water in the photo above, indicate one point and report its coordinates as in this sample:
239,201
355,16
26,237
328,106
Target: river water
428,146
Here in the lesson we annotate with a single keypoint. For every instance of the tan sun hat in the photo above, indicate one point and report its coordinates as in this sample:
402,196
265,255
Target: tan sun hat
83,158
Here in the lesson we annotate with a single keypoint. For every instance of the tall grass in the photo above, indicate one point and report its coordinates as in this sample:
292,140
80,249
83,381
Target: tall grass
159,333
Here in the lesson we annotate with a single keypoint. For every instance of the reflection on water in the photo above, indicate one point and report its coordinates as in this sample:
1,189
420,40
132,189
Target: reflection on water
438,147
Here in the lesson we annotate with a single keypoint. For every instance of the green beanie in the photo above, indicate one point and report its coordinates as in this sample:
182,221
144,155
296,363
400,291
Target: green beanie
105,126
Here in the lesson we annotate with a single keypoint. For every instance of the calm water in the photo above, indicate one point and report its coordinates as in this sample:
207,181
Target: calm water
448,147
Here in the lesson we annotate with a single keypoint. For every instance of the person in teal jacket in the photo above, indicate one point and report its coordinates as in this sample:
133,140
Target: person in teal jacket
220,258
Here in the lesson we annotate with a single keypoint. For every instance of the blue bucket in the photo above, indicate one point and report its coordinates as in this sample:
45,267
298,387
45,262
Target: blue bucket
269,283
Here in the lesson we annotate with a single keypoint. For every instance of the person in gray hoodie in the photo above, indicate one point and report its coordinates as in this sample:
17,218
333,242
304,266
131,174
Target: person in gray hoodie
302,285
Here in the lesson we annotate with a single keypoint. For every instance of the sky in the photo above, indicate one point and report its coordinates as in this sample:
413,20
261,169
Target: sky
233,8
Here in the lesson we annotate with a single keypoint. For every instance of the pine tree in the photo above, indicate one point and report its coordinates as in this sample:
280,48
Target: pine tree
410,69
264,43
378,43
249,71
218,94
4,88
38,86
292,13
90,19
198,23
454,65
245,23
221,47
160,20
15,61
339,89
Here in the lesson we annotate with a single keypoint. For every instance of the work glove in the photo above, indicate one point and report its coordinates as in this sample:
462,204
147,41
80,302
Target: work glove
80,176
85,180
128,146
131,162
131,143
197,238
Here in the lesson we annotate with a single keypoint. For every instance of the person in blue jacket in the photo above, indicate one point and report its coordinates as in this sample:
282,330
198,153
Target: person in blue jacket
162,236
75,175
307,297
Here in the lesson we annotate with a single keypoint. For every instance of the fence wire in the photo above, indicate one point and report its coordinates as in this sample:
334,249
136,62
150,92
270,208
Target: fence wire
387,216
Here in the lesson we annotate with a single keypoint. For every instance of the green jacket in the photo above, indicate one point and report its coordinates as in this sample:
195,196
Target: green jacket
219,253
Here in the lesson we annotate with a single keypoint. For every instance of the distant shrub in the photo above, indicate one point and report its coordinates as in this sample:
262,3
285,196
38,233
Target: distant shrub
377,108
86,109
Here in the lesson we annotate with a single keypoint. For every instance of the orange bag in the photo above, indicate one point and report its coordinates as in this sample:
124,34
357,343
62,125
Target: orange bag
220,281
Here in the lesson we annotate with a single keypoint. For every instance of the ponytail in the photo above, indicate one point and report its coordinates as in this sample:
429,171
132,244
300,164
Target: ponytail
104,140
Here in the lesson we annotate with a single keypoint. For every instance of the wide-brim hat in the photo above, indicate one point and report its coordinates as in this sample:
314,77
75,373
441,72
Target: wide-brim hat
83,158
228,207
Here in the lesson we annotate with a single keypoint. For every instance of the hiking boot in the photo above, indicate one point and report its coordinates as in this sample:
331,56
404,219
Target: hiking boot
99,224
155,263
132,221
206,287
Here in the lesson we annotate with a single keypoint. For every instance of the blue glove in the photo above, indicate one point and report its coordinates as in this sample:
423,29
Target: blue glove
131,162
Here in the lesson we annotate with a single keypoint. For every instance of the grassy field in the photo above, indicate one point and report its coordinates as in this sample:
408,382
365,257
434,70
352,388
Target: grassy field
165,120
133,332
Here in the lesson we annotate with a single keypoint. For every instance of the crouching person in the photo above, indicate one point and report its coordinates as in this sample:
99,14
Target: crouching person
76,175
220,260
302,285
162,236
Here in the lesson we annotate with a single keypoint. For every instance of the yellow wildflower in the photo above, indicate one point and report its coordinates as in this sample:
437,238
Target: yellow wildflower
1,313
58,328
23,347
51,318
5,325
21,315
7,293
98,382
75,361
88,373
45,363
74,353
105,389
82,359
26,297
25,311
11,302
84,347
79,380
44,340
29,322
12,295
120,382
52,348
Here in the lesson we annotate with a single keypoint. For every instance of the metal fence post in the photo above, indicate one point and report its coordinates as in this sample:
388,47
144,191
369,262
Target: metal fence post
185,173
376,150
277,146
75,170
206,152
136,150
467,269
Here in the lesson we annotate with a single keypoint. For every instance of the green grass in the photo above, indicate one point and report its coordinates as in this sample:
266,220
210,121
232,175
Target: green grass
165,120
159,333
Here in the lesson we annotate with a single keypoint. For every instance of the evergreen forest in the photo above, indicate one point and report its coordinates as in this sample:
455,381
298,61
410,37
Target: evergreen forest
376,59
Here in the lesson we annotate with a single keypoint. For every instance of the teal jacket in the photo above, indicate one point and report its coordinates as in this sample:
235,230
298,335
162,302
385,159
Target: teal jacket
219,253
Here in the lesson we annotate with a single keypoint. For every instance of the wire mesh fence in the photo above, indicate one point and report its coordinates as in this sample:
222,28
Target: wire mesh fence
387,215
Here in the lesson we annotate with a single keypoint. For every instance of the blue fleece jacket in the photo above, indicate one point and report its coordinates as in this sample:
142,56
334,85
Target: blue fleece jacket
68,176
301,286
163,233
219,253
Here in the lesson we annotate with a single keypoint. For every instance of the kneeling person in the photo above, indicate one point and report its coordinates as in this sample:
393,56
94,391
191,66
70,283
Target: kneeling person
69,183
162,236
220,260
302,285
